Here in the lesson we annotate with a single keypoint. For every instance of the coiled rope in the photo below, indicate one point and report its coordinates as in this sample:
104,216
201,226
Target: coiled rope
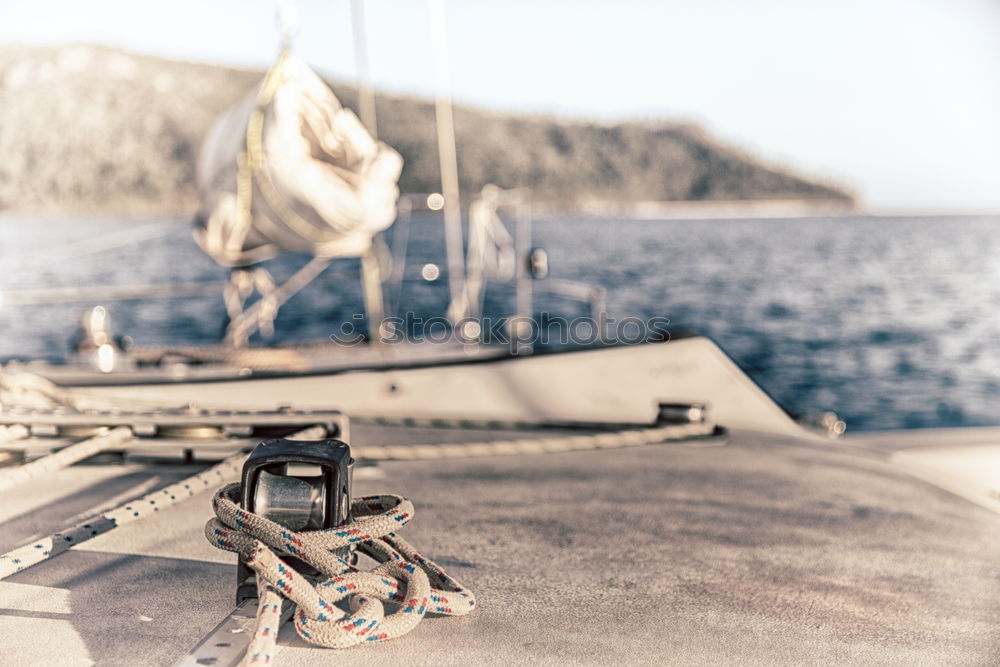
262,542
404,576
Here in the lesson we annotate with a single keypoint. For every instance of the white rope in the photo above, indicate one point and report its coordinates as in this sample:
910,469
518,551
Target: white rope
366,94
48,547
318,620
103,293
32,390
65,457
13,432
458,308
633,437
107,240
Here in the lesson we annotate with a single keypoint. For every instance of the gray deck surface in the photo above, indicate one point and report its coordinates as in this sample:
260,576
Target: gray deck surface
760,551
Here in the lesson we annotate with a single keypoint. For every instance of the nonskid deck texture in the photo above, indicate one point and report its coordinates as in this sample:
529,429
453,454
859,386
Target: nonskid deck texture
758,550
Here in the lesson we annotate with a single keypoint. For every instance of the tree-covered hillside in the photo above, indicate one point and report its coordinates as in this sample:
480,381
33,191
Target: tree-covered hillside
86,128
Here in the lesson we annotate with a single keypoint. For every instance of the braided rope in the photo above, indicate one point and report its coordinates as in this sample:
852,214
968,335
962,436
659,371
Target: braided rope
268,623
633,437
475,424
47,547
13,432
65,457
402,576
50,546
401,567
261,543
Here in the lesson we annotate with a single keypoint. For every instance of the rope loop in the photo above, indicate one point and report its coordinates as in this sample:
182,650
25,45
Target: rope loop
403,576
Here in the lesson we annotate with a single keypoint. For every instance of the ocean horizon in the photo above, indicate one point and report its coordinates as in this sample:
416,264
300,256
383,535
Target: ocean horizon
891,321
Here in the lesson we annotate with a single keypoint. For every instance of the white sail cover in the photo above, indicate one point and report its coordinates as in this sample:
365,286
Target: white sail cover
290,170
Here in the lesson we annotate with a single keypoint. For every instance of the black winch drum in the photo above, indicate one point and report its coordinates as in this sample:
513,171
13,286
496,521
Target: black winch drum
277,484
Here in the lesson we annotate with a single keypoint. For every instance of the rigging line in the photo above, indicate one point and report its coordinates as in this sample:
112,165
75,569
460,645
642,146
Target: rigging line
448,157
366,93
94,244
427,587
629,437
100,293
400,243
65,457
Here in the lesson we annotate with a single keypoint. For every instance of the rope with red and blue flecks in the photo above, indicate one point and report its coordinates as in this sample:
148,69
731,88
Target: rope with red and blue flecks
403,576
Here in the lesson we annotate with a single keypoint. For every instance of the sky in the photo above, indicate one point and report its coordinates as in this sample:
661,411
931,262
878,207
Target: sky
898,100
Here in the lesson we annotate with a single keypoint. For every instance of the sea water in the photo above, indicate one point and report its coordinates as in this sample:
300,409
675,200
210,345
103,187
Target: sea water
892,322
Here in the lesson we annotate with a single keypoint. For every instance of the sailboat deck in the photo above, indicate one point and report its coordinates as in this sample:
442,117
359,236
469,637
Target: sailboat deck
754,549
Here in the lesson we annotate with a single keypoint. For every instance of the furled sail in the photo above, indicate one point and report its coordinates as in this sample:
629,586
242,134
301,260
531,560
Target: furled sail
288,169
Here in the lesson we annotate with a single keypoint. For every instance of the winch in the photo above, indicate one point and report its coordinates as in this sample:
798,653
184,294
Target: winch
300,484
294,522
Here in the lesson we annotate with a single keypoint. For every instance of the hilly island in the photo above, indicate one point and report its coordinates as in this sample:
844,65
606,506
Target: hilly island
98,130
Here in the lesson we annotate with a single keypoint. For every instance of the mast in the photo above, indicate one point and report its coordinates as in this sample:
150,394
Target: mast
371,273
366,94
449,163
